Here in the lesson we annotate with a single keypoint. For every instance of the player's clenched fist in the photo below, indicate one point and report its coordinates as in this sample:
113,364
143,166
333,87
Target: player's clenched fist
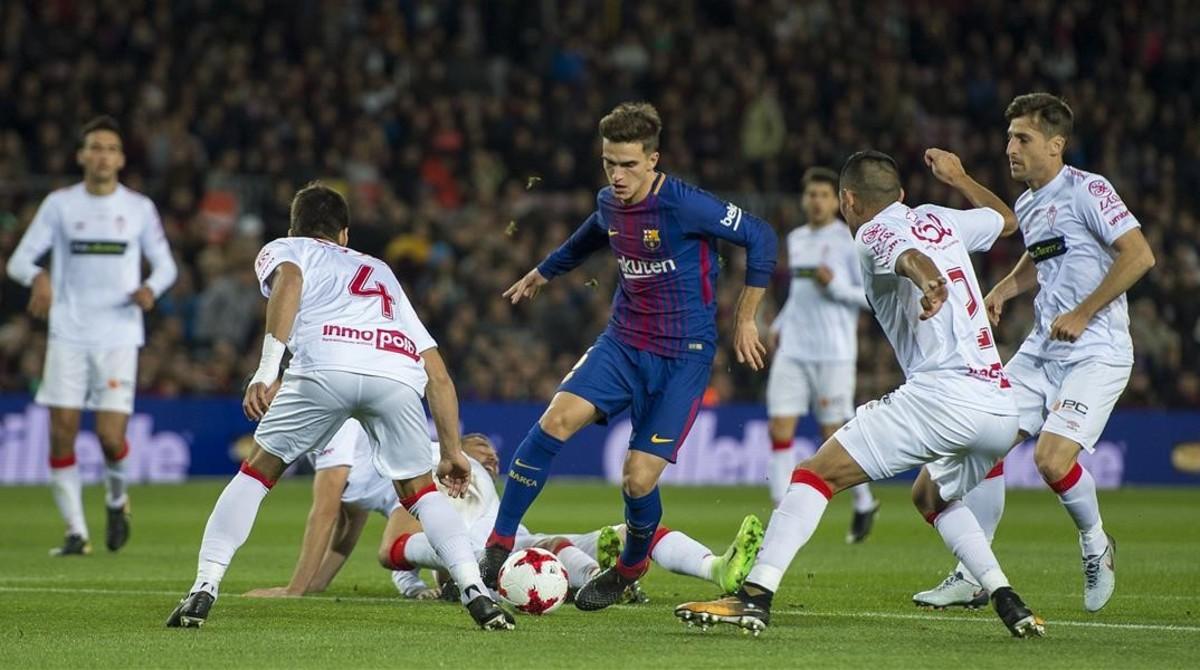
934,296
945,166
527,287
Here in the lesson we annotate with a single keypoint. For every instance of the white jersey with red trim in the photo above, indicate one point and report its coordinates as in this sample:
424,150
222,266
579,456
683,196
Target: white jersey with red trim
96,245
353,317
1069,226
953,353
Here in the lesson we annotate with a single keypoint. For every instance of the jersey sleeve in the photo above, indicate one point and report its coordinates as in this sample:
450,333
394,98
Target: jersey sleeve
1102,210
701,213
155,248
270,258
38,239
586,240
880,244
978,228
846,286
339,451
410,324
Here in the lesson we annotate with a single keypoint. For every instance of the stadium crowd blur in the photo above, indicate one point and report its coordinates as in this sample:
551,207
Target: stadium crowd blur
464,134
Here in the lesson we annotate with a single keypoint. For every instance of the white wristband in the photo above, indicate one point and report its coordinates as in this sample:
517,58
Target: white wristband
268,365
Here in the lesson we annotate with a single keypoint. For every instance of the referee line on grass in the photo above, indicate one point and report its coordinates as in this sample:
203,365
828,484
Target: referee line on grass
804,613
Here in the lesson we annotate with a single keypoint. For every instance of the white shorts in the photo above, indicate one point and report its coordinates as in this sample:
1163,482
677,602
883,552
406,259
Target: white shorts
793,385
102,381
1073,400
911,427
312,406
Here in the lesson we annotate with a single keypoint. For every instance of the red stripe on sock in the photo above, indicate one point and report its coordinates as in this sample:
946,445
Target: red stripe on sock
396,553
62,462
505,541
781,445
1063,485
249,471
559,544
997,470
810,478
931,517
413,499
633,571
658,536
123,453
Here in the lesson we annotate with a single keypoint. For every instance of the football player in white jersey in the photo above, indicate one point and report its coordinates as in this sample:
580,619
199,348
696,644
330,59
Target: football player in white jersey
97,232
816,341
954,415
1084,250
358,350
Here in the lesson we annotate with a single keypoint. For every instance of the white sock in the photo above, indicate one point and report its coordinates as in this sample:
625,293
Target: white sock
419,553
587,542
863,500
682,555
68,495
227,529
447,533
1079,499
580,567
408,582
963,536
986,502
114,482
779,470
792,525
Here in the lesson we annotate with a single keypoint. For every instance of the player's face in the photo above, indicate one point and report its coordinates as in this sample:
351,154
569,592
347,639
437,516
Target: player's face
819,202
101,156
629,168
1030,153
482,450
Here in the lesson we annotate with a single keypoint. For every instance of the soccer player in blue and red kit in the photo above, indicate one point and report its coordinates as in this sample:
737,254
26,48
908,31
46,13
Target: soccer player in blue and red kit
656,354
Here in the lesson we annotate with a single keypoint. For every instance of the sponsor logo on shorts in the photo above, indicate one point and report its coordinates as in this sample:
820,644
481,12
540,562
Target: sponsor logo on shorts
392,341
655,439
1071,406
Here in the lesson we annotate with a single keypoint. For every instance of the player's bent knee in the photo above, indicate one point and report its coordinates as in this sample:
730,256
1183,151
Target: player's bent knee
1054,456
268,464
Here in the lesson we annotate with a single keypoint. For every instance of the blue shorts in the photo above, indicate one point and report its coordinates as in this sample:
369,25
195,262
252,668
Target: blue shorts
663,394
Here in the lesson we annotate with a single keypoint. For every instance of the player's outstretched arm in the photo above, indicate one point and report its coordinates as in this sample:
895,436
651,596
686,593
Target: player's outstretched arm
1022,278
454,471
526,287
283,305
586,240
949,170
922,271
347,530
1134,259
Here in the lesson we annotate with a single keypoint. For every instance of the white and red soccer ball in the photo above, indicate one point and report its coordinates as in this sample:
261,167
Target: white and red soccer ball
533,581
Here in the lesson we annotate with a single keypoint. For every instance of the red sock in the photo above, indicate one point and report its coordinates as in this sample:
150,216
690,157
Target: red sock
781,445
396,553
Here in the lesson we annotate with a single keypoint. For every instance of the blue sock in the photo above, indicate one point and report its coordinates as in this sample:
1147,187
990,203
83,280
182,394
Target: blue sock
641,520
527,475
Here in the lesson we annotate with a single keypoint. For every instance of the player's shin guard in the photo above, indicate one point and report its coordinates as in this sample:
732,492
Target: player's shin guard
792,525
986,502
527,475
641,521
1077,491
779,470
963,536
228,526
447,534
114,478
68,494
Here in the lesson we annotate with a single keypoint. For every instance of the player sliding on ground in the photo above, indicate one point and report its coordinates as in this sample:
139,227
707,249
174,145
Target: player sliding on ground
656,354
358,350
955,412
1084,250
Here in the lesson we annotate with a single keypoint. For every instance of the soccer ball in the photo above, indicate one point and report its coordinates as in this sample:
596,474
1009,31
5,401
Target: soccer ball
533,581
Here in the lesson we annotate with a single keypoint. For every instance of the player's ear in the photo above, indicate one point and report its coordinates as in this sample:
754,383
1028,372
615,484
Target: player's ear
1057,144
344,237
653,159
901,195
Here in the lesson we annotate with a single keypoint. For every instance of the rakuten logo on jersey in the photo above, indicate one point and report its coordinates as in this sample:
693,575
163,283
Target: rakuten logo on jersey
392,341
635,268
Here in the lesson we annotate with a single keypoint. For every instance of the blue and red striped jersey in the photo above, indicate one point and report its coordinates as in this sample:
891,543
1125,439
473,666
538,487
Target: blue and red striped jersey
665,245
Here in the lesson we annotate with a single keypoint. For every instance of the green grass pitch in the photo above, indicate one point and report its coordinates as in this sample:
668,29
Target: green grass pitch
841,606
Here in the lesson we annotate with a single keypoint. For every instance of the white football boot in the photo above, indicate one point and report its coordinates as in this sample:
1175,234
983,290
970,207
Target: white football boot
1099,577
954,591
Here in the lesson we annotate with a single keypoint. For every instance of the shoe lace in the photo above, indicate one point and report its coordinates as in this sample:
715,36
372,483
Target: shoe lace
1091,571
949,582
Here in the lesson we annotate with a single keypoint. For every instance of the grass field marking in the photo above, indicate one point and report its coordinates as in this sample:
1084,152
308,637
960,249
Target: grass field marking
847,615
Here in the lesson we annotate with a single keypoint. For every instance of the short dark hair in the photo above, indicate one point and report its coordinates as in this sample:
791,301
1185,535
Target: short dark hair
633,122
872,176
1051,113
319,211
103,122
820,175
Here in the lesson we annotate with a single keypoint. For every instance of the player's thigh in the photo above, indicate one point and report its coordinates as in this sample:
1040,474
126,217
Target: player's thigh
393,418
64,377
787,388
1085,399
307,412
834,464
1032,390
112,380
834,391
978,439
886,436
605,376
666,418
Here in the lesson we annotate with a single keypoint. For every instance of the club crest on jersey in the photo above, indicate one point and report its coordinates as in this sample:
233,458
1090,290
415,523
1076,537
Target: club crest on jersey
930,230
651,239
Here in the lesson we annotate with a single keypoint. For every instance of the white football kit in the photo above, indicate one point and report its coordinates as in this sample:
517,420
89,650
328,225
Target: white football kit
955,411
818,342
96,245
356,352
1070,388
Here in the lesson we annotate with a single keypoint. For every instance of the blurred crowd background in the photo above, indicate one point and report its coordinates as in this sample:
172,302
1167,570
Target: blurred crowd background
464,134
